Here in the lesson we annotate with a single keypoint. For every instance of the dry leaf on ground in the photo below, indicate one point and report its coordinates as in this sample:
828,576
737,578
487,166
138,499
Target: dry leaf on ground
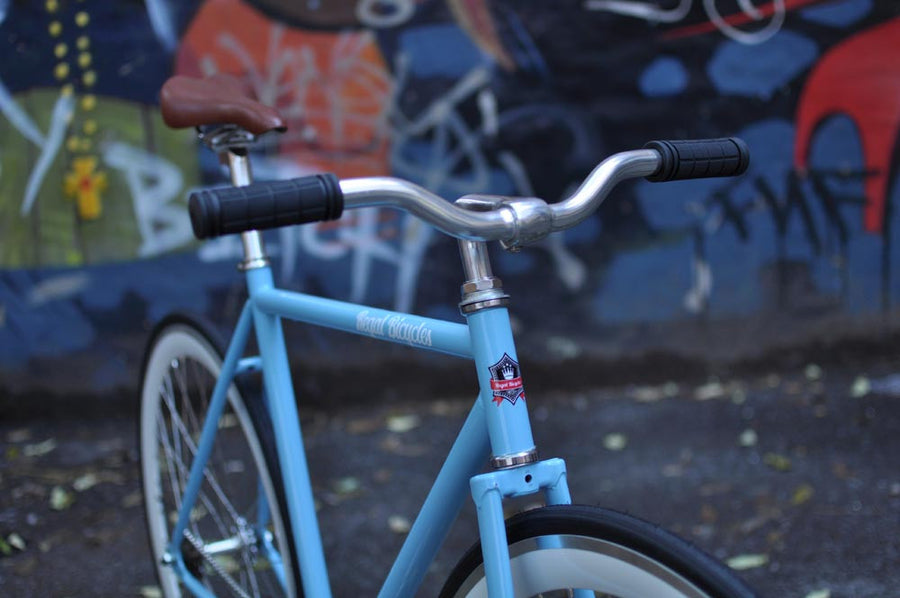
615,442
60,498
777,462
40,449
403,423
747,561
399,524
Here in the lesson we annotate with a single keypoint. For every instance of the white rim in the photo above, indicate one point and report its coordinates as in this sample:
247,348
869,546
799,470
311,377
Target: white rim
183,342
582,562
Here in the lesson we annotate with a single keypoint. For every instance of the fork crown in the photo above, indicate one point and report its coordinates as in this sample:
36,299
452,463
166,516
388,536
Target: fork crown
488,491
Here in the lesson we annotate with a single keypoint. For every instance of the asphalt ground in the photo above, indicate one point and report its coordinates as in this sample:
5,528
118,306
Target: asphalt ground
793,477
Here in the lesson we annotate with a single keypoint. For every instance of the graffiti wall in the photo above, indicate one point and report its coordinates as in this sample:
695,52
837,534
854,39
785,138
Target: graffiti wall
459,96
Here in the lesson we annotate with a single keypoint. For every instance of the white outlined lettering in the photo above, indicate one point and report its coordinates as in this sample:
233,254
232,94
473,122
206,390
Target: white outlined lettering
397,328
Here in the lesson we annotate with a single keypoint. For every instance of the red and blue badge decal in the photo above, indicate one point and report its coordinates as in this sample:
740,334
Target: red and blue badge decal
506,381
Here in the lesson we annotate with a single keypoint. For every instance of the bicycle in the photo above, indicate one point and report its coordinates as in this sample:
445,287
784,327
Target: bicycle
228,499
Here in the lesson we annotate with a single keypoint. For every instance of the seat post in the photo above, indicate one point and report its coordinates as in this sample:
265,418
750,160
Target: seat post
239,167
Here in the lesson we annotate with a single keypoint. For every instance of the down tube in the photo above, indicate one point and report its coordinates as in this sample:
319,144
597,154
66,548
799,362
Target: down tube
204,448
447,495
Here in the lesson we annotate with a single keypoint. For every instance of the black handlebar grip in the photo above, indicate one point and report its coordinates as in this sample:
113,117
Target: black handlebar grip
216,212
700,158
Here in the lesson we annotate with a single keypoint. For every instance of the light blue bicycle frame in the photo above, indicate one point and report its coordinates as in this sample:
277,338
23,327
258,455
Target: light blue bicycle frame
494,425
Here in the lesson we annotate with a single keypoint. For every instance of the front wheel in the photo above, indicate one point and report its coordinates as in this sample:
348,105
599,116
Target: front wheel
556,550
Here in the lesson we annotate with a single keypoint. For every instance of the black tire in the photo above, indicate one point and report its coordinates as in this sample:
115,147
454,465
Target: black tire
608,552
179,372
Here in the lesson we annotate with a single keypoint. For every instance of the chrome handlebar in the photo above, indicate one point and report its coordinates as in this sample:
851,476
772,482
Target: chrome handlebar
514,221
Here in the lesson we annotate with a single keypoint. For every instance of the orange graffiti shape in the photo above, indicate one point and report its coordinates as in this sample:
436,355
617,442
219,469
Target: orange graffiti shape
333,89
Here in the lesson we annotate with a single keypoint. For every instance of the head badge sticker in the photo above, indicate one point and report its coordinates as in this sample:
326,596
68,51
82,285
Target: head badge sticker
506,381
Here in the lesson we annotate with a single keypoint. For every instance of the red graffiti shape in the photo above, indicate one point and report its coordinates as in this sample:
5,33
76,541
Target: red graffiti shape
737,19
859,78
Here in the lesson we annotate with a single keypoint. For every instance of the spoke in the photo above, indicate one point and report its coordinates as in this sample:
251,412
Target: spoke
184,470
181,444
169,398
228,545
174,481
193,423
206,471
251,575
218,458
179,470
192,418
171,471
188,407
202,497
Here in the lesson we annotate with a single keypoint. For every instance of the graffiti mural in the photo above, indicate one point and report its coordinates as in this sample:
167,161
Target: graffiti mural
460,97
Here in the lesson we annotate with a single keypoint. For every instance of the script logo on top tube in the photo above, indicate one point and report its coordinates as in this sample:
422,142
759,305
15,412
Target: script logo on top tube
394,327
506,381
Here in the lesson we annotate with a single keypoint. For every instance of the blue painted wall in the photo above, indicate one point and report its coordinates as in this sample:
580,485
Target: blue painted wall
502,97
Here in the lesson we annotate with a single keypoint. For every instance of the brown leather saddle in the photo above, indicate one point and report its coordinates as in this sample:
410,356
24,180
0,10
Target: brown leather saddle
220,99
